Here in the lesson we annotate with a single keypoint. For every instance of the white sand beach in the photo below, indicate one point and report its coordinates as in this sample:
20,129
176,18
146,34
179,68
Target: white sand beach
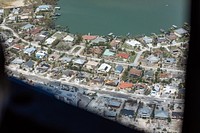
13,4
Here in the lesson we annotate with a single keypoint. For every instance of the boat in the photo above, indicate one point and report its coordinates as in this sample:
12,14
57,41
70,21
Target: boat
162,30
174,26
57,7
57,14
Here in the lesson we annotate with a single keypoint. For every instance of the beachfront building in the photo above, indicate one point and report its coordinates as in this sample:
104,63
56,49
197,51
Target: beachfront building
133,42
68,38
180,32
43,8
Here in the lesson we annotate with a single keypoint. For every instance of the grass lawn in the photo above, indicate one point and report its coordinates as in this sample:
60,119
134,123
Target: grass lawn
76,49
132,58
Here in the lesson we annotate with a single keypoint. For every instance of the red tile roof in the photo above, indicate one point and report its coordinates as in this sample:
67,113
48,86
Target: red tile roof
124,85
89,37
18,47
123,55
135,71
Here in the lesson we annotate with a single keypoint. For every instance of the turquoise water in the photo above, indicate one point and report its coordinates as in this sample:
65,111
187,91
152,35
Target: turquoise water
122,16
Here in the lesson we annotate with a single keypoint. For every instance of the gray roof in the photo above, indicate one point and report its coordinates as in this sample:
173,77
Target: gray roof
27,26
127,112
149,73
29,64
17,61
180,31
145,110
98,40
79,61
114,103
110,113
161,114
66,59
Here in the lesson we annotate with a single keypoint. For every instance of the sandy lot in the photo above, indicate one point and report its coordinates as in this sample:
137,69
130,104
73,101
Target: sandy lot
11,3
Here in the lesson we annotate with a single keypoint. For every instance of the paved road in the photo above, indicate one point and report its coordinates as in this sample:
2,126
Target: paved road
42,79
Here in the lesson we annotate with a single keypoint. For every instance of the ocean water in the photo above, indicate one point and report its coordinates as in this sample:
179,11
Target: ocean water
122,16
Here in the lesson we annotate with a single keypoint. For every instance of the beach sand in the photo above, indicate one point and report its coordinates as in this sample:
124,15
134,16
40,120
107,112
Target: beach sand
11,3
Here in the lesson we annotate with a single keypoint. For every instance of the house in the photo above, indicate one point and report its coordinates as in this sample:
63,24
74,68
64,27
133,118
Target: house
164,75
114,43
91,65
149,74
113,103
18,47
17,61
161,114
153,59
15,11
123,55
177,115
27,27
55,84
104,68
144,112
1,12
119,69
43,67
180,32
68,38
54,57
147,40
133,42
125,85
97,80
161,39
96,51
170,60
135,73
40,54
171,36
50,40
107,52
43,8
66,59
79,61
83,100
111,114
88,37
30,51
126,112
112,82
68,73
98,40
29,65
36,30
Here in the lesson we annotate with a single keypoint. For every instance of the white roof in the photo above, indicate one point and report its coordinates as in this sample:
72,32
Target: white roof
132,42
147,39
169,88
104,67
50,40
153,58
180,31
1,11
68,38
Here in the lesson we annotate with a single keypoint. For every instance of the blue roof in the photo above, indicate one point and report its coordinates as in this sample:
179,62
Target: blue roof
119,69
30,50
